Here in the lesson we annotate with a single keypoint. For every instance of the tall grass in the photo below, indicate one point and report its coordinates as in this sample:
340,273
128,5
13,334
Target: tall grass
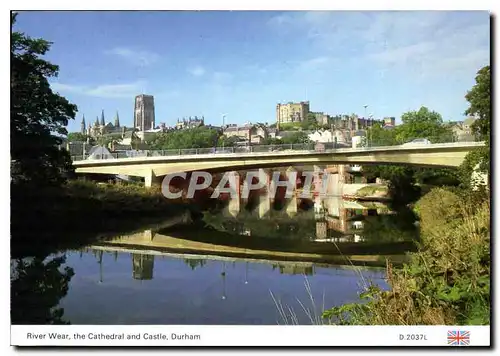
289,316
447,282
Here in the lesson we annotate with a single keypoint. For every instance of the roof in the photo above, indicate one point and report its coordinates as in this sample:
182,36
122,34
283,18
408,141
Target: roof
238,128
469,121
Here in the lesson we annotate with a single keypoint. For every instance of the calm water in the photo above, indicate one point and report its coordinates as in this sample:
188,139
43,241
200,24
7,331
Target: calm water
207,271
146,289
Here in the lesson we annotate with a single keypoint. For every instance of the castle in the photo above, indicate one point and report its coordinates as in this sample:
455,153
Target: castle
190,123
101,128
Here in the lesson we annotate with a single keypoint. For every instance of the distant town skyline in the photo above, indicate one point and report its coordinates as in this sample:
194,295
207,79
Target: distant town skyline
193,65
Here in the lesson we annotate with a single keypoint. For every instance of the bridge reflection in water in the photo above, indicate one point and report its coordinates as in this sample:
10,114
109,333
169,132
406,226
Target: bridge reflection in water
329,230
220,269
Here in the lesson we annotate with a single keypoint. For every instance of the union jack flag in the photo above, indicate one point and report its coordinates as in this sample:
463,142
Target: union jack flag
458,338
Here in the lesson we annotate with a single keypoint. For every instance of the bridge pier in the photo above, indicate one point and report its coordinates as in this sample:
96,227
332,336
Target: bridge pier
151,180
264,208
291,203
319,174
234,205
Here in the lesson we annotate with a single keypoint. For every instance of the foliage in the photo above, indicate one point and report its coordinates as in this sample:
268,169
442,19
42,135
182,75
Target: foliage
447,282
437,176
198,137
310,122
423,124
391,227
296,137
379,136
480,106
38,115
85,209
105,140
76,137
36,290
272,141
479,100
225,141
401,181
290,126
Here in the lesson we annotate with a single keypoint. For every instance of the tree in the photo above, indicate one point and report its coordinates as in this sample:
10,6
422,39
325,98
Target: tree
423,124
198,137
38,115
379,136
310,122
479,106
272,141
296,137
76,136
479,101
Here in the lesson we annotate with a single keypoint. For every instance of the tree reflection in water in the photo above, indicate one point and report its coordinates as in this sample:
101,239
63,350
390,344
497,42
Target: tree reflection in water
37,286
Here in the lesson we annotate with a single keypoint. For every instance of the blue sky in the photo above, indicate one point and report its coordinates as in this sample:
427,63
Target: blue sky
244,63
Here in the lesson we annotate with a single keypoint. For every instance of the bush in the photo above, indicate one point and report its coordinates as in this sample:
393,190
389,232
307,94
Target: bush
447,282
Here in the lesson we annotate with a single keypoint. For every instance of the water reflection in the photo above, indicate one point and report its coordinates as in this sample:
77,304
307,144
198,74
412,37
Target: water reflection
168,288
324,219
37,286
218,268
143,266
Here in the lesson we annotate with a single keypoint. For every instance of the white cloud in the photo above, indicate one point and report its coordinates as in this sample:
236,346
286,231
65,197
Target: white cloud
127,90
432,41
136,57
404,53
197,71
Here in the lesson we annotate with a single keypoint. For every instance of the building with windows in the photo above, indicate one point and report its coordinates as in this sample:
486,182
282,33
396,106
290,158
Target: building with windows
291,112
190,123
144,112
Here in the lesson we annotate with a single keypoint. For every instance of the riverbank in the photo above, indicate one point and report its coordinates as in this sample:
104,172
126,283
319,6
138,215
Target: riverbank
447,281
73,215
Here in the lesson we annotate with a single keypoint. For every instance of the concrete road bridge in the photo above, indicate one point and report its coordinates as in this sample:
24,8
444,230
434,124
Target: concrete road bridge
152,165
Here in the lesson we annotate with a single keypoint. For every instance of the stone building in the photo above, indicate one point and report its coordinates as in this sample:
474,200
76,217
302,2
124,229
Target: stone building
190,123
321,118
144,112
462,130
101,128
291,112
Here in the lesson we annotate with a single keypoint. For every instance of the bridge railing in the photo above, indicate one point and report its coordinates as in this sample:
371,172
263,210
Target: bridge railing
309,147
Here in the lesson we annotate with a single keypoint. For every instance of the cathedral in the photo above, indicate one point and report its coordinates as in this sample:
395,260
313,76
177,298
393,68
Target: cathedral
101,128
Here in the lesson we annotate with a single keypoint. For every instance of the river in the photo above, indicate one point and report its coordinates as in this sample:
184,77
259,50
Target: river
249,266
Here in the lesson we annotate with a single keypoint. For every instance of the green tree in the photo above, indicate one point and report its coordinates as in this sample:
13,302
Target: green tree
296,137
272,141
227,141
76,136
378,136
38,115
423,124
479,106
479,103
199,137
310,122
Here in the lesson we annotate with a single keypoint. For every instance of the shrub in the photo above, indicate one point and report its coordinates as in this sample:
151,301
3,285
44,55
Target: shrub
446,282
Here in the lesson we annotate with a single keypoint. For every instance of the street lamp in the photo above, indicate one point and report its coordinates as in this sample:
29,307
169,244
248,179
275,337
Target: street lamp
366,122
223,117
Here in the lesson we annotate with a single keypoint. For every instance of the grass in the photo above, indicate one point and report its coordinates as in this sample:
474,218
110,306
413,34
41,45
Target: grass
446,282
42,219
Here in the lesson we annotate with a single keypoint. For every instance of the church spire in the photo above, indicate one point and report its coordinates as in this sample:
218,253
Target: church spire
117,120
96,121
102,118
83,126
